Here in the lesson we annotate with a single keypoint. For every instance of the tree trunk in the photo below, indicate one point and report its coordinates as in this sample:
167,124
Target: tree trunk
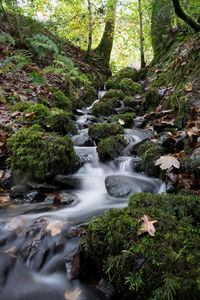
184,16
104,48
161,22
143,64
90,31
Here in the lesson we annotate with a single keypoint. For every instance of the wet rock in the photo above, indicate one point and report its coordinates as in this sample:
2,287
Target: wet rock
158,127
46,188
79,112
122,185
168,143
75,267
68,181
34,197
105,288
139,122
7,180
180,143
18,190
68,198
123,110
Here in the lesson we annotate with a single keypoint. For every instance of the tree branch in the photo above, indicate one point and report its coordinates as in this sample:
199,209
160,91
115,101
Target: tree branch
184,16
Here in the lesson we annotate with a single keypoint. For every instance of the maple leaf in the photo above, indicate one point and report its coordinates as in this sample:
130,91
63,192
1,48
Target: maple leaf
167,161
54,227
72,295
147,226
188,87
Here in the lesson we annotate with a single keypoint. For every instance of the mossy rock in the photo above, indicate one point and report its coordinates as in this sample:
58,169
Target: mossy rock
61,101
102,131
129,87
33,154
111,147
116,94
87,95
104,107
191,166
61,122
146,267
152,99
150,152
40,115
127,118
113,82
131,102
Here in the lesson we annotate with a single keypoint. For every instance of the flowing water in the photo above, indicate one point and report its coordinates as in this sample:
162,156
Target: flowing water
36,265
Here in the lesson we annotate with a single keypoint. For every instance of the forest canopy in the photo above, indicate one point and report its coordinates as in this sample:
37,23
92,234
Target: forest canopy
74,19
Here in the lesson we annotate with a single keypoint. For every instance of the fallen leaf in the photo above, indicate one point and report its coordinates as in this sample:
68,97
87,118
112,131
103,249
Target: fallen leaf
166,162
147,226
193,131
72,295
121,122
189,87
54,227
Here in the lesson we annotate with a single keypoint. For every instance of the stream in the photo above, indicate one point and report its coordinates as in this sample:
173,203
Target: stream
36,265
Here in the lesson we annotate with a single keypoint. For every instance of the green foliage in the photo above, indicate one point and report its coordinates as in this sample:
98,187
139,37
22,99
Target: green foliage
6,37
17,61
144,267
61,101
42,45
128,119
37,78
33,154
130,101
152,99
110,147
21,106
62,65
101,131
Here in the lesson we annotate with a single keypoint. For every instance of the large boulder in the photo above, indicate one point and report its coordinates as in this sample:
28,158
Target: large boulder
123,185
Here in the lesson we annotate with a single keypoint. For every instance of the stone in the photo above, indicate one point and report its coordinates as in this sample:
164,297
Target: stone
105,288
34,197
123,185
68,198
68,181
18,190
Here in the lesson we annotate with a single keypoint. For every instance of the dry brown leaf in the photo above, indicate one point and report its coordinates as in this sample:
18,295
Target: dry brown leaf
147,226
166,162
193,131
72,295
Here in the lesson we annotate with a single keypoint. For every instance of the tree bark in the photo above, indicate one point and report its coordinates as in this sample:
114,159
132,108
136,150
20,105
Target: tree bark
90,31
184,16
104,48
143,64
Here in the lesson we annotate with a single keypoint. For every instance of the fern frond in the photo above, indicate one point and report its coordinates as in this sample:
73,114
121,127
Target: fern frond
6,37
17,61
42,44
64,61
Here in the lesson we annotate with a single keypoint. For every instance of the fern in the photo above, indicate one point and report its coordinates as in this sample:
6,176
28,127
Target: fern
17,61
6,37
169,289
62,65
42,44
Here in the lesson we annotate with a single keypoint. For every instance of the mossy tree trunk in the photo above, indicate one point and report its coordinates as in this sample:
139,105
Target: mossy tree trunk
141,36
104,48
161,22
184,16
90,31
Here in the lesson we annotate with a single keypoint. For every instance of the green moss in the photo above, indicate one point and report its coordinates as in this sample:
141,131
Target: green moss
110,147
114,81
191,166
152,99
145,267
61,122
102,131
33,154
61,101
128,119
21,106
129,87
104,107
150,152
116,94
130,101
88,94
